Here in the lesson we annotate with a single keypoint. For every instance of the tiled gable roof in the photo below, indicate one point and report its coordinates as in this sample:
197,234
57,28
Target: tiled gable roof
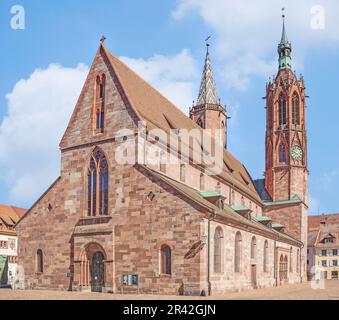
151,106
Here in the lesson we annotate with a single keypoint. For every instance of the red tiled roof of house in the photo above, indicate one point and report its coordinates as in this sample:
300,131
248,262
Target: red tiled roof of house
9,216
314,221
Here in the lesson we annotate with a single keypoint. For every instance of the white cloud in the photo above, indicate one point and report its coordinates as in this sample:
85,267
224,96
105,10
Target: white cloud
247,32
173,75
38,111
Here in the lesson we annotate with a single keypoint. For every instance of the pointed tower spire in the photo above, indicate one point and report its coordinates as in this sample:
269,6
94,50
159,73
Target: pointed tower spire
284,48
208,91
208,112
284,39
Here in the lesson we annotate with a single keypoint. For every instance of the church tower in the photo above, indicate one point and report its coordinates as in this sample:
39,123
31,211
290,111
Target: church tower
286,141
208,112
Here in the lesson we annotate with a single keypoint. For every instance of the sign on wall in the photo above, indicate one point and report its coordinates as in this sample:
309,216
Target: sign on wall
130,280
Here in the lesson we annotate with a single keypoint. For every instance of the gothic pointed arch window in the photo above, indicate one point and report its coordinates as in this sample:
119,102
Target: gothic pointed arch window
217,250
100,102
282,154
97,185
295,109
282,111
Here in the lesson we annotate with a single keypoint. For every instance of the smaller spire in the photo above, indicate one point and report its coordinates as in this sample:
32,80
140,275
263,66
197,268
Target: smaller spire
284,39
208,91
284,47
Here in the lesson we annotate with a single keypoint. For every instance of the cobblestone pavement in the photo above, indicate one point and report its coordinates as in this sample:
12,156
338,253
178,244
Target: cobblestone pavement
289,292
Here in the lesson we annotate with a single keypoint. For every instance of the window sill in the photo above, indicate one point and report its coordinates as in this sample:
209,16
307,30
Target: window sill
164,275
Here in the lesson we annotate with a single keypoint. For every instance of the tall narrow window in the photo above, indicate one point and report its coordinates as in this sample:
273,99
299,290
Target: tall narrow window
237,252
266,256
217,250
295,109
282,268
100,103
298,260
282,154
291,259
182,173
282,111
97,185
166,260
253,248
40,261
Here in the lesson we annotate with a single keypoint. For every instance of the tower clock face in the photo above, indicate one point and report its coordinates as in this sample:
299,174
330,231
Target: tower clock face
297,153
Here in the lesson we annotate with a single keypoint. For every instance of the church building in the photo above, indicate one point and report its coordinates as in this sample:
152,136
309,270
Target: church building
169,228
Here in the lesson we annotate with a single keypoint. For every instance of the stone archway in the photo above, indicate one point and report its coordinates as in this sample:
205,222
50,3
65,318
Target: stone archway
92,267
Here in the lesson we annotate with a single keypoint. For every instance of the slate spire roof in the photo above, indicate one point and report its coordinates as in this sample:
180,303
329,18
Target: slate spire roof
208,91
284,39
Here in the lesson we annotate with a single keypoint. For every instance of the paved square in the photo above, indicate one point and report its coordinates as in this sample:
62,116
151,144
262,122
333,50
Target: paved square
291,292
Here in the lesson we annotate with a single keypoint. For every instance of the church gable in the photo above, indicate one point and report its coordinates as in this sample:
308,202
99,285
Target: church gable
102,109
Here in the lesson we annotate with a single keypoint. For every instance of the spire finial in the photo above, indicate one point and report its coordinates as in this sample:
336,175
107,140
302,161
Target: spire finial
207,43
102,40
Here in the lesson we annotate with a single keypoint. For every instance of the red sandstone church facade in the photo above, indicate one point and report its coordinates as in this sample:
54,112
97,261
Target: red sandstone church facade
169,228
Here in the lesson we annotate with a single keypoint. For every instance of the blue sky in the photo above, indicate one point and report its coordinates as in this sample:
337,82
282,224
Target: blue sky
164,41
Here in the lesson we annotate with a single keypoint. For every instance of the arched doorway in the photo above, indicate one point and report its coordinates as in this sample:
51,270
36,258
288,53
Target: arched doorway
92,268
97,272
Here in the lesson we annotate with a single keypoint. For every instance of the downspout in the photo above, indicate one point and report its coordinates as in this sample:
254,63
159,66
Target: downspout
275,263
212,216
300,267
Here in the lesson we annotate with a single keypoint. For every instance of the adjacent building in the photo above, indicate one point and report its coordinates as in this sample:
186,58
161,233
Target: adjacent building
9,216
323,247
158,226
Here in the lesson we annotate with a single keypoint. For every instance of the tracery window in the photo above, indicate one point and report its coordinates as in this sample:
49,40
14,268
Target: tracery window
295,109
97,185
282,111
282,154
